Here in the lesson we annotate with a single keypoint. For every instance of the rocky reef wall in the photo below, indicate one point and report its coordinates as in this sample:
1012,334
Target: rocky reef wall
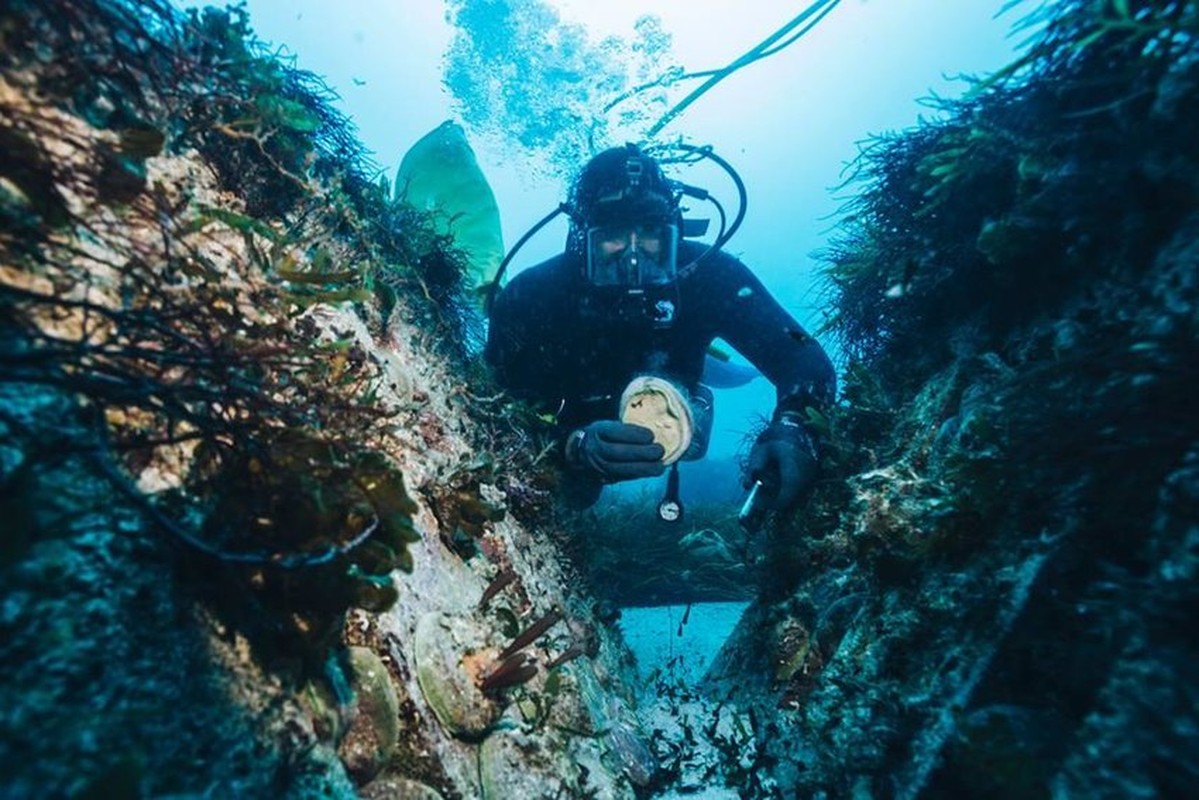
262,521
987,595
267,533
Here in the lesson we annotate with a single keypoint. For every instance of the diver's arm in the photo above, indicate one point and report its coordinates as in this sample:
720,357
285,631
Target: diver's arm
595,453
501,339
785,458
511,344
760,329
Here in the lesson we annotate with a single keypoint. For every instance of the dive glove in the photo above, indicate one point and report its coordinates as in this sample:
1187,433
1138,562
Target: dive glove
615,451
784,460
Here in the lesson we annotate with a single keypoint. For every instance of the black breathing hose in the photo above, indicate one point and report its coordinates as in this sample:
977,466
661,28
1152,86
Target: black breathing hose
742,194
692,191
494,286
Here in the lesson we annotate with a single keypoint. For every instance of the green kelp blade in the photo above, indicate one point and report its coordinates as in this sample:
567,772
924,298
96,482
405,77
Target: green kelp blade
440,174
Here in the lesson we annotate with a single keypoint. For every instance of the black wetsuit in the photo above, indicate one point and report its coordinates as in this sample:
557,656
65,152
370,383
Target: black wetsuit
556,344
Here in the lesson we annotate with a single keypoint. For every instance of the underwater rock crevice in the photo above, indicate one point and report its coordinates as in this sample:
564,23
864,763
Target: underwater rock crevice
1017,295
991,594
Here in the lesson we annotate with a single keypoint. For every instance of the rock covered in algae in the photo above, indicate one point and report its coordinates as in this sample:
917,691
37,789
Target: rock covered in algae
628,750
637,761
515,764
398,789
451,653
374,730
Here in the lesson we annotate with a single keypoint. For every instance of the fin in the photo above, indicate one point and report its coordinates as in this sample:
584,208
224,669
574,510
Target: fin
724,374
440,173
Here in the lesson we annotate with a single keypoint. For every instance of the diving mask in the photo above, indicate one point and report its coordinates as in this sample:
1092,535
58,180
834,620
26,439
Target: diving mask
632,255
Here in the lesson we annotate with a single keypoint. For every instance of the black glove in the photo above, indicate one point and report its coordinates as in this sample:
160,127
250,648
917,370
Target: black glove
615,451
784,460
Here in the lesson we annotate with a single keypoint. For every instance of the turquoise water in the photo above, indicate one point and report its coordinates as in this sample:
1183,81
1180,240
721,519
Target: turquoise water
667,648
789,123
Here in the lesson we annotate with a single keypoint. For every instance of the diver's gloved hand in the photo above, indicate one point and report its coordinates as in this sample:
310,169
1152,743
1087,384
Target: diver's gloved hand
615,451
784,460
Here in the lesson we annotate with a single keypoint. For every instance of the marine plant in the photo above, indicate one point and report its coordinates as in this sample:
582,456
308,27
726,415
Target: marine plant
187,323
641,560
980,215
462,512
1014,287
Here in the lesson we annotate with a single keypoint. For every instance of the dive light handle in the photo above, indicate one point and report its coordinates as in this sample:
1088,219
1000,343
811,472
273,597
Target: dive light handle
753,511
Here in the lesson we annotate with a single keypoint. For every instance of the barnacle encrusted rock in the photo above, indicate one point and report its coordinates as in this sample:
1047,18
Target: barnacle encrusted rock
374,730
451,654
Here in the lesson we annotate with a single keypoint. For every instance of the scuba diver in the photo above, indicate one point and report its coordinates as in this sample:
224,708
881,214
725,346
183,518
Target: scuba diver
612,334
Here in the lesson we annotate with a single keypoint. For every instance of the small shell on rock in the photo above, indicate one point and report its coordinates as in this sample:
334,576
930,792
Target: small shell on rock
374,730
396,375
795,650
636,759
593,711
450,653
513,764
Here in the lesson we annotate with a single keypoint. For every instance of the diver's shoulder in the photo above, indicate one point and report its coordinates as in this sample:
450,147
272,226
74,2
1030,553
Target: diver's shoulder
705,260
549,275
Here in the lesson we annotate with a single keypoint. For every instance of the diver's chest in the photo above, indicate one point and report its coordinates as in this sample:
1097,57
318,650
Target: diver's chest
625,349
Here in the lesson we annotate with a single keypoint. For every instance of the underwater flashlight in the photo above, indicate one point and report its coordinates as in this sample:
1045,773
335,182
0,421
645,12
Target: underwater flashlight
753,512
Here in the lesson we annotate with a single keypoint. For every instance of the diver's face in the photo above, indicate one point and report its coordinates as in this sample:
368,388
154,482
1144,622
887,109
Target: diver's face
631,255
614,242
